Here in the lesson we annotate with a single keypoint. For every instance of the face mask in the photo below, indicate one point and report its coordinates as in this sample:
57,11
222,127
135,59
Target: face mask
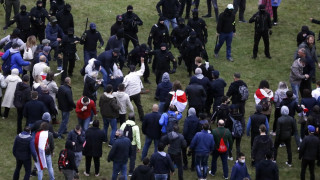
242,161
93,30
129,13
39,7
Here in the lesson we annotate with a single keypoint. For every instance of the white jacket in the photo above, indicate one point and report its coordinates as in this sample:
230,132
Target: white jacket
123,100
11,83
132,81
38,68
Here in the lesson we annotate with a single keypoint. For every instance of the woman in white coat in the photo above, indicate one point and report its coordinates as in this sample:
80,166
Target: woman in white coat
11,84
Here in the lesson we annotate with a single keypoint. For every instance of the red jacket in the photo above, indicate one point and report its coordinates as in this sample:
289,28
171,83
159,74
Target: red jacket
86,113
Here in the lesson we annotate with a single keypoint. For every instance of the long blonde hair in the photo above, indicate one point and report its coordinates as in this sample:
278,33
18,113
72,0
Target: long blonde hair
31,41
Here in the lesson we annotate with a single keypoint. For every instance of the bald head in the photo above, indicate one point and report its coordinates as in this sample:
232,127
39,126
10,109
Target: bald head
67,80
42,58
221,123
155,108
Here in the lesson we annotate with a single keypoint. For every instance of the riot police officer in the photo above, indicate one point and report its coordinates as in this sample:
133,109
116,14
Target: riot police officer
38,17
199,26
23,23
180,33
117,25
159,34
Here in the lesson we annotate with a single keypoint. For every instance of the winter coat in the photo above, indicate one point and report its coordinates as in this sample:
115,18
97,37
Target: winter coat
201,80
286,127
226,23
33,111
279,95
164,120
135,132
65,20
70,157
94,139
90,88
48,102
190,127
133,82
203,143
217,87
23,147
16,59
239,171
25,90
163,90
175,141
161,163
109,107
224,133
262,22
115,42
11,82
8,39
2,83
310,148
73,136
120,151
196,95
296,74
53,90
86,113
151,126
65,99
234,93
267,170
292,105
309,103
261,145
107,60
53,32
143,172
170,8
123,100
90,42
38,69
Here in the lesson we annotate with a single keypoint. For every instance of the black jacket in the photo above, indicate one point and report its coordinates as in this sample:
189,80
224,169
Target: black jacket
73,136
162,60
65,99
233,90
200,27
256,120
107,60
36,126
24,96
91,39
68,45
262,21
131,22
159,34
143,172
23,21
33,111
217,87
261,145
226,23
310,148
151,126
115,27
65,20
70,157
48,102
170,8
38,17
292,106
94,139
179,34
267,170
286,127
190,127
196,95
120,151
90,88
161,164
176,142
23,147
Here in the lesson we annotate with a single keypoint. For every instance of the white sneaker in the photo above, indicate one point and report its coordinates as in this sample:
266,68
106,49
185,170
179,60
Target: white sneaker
211,173
282,145
59,68
86,174
230,158
288,164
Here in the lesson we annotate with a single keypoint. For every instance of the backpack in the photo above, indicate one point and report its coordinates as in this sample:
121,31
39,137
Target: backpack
222,146
244,92
7,46
18,100
237,129
127,132
265,104
172,120
63,162
6,65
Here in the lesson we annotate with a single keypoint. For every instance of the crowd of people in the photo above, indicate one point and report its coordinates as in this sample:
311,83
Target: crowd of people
215,118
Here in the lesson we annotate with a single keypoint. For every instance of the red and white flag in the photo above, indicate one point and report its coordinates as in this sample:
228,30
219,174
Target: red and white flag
179,99
261,93
40,143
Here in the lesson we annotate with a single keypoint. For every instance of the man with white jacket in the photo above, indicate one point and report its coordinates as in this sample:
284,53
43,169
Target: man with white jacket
124,102
39,67
133,85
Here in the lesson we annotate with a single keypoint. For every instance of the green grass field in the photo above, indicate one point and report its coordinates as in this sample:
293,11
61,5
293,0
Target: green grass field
292,15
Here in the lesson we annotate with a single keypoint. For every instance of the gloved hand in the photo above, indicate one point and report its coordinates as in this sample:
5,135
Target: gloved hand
270,32
205,39
84,36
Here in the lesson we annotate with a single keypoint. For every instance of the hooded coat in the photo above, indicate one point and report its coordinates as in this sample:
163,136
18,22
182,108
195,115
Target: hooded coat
261,145
123,100
16,59
286,125
267,170
176,142
11,84
191,124
164,87
143,172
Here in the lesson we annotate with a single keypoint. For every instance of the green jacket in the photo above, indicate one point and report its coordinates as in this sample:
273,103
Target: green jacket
220,132
135,132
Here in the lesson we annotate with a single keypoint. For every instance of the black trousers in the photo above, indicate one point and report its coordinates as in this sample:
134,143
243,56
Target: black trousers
68,59
137,101
184,155
188,7
130,37
277,114
96,164
177,160
257,37
19,120
38,31
241,5
121,119
27,167
288,146
15,4
304,164
305,84
275,13
215,6
132,158
159,76
6,112
24,34
238,141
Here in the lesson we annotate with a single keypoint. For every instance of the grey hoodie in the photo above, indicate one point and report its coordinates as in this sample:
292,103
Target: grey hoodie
191,112
123,101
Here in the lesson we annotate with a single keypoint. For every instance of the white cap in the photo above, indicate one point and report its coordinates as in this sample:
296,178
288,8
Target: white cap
230,6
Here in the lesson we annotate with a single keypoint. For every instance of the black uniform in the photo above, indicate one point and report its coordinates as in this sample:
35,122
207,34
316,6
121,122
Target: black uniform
89,40
262,26
188,7
55,6
9,4
117,25
191,48
199,26
116,41
179,34
68,48
131,21
38,21
23,23
134,58
159,34
65,18
161,63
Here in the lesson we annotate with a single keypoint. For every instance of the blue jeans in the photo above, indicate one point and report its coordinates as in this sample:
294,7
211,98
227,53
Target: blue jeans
160,176
202,165
113,124
161,107
49,167
64,122
295,90
105,77
224,159
87,55
84,123
224,37
119,167
147,145
173,22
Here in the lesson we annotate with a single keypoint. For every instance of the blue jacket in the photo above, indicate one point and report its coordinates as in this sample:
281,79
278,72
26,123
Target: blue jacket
73,136
190,127
202,143
107,61
239,171
23,147
164,120
53,32
217,87
275,2
16,59
120,151
162,91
